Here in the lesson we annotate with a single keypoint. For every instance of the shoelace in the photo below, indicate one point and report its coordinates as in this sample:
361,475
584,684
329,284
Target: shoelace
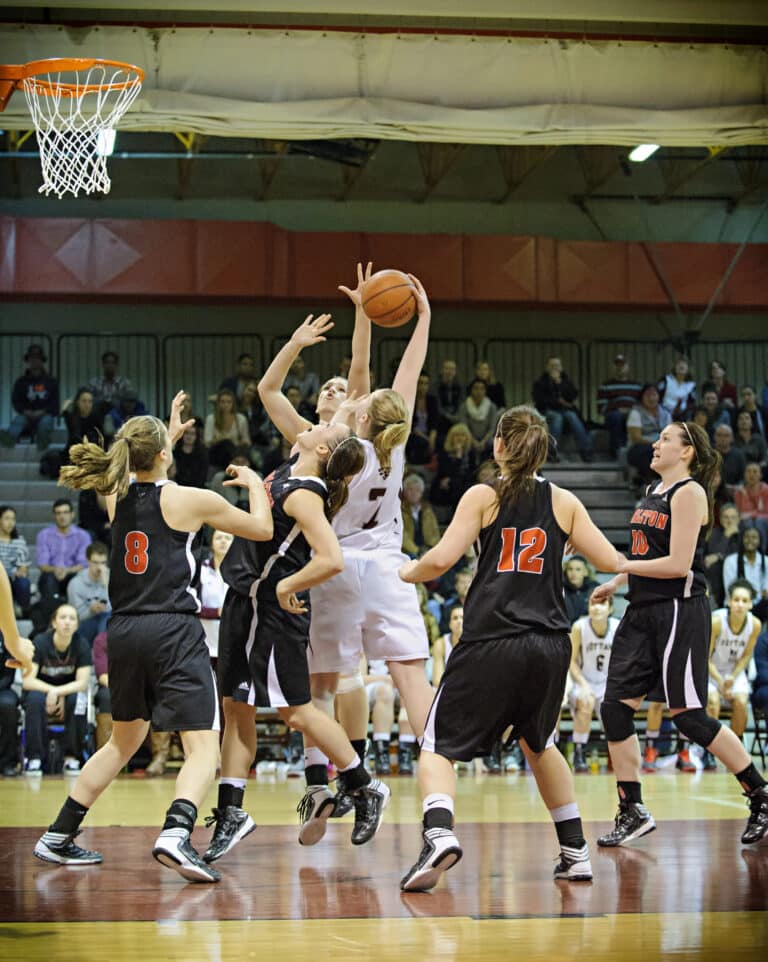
304,808
211,819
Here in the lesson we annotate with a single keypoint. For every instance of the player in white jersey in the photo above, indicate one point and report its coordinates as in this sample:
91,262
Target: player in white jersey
734,634
591,640
444,645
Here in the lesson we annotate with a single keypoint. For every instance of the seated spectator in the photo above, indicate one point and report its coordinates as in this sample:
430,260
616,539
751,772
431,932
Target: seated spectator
701,417
445,643
616,397
752,501
456,597
450,393
677,391
493,388
480,415
35,399
749,404
420,446
128,406
299,404
9,717
726,391
554,395
213,588
645,423
14,557
383,699
226,430
456,466
92,512
264,435
190,458
83,420
246,371
110,386
56,691
734,461
724,539
750,564
60,554
307,382
760,681
88,593
578,584
102,700
748,440
716,413
420,528
734,633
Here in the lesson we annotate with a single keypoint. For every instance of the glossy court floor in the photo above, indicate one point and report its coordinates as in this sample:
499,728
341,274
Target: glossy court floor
688,891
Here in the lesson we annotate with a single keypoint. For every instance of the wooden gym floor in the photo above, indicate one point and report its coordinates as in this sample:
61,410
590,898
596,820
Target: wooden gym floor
688,891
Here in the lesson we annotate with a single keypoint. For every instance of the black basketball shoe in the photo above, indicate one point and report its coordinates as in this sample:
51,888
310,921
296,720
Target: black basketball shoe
59,848
633,820
232,824
574,864
370,803
174,850
757,823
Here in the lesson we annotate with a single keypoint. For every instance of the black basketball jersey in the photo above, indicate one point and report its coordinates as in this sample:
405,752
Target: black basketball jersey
241,566
152,566
651,533
288,551
518,585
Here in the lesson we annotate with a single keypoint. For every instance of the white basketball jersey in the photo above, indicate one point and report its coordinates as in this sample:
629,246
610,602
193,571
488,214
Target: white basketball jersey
596,651
729,644
447,646
371,518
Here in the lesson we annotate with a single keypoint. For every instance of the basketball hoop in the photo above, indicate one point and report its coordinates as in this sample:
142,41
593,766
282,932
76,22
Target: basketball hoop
73,103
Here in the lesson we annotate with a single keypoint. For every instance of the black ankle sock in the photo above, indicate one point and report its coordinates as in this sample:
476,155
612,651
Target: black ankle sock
359,746
229,795
69,818
630,792
570,832
750,779
353,779
316,774
438,818
181,814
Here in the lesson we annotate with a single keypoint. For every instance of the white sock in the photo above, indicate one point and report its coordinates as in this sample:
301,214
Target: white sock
651,735
407,739
437,800
563,812
234,782
352,764
313,756
580,738
381,737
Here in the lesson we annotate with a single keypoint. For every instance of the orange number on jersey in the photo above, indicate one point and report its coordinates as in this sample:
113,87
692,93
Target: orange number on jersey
533,541
136,552
639,543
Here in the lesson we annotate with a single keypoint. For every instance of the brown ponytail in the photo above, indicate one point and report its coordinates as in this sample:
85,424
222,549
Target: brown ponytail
705,463
136,445
344,462
390,424
526,444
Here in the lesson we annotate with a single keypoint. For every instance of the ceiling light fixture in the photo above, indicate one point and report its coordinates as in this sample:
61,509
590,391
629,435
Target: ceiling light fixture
643,152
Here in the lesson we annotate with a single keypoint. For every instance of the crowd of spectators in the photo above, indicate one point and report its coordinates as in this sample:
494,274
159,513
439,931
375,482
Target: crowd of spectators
448,450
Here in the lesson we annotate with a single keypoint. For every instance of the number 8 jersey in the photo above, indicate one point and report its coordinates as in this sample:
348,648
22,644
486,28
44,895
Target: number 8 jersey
372,518
152,566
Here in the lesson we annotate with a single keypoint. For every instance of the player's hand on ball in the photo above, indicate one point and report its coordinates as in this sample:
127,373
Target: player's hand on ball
422,301
406,571
312,330
356,295
289,600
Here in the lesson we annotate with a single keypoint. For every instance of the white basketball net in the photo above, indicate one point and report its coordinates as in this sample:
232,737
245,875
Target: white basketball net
70,109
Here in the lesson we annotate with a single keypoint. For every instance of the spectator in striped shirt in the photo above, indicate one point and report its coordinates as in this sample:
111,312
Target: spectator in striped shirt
615,399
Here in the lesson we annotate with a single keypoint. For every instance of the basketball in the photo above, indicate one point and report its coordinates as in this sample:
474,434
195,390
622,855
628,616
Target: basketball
388,298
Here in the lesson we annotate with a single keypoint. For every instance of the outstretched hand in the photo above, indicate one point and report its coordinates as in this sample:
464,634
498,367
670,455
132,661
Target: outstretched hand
356,295
175,426
312,330
422,301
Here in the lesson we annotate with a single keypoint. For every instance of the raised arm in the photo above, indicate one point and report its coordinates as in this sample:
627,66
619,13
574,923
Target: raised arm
360,369
284,416
188,509
412,361
327,560
459,535
22,650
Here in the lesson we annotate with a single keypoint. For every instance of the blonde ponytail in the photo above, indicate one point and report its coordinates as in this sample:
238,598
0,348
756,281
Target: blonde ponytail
390,424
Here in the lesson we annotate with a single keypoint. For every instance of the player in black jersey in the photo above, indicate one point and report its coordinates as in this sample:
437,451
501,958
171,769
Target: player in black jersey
159,667
511,665
661,647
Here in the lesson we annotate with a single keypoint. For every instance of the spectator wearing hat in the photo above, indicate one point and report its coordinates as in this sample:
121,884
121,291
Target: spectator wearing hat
128,406
616,397
110,386
35,399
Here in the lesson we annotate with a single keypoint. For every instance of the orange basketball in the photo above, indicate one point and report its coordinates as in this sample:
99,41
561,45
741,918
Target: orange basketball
388,298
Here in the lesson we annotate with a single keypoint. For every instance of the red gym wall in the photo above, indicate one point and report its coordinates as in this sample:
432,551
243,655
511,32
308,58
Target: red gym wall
185,259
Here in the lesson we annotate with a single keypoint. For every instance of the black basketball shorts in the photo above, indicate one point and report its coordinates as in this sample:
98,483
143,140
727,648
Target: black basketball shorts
277,658
160,670
490,685
238,620
662,650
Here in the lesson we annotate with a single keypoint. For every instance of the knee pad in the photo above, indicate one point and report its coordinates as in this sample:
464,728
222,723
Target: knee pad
697,726
348,683
618,720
